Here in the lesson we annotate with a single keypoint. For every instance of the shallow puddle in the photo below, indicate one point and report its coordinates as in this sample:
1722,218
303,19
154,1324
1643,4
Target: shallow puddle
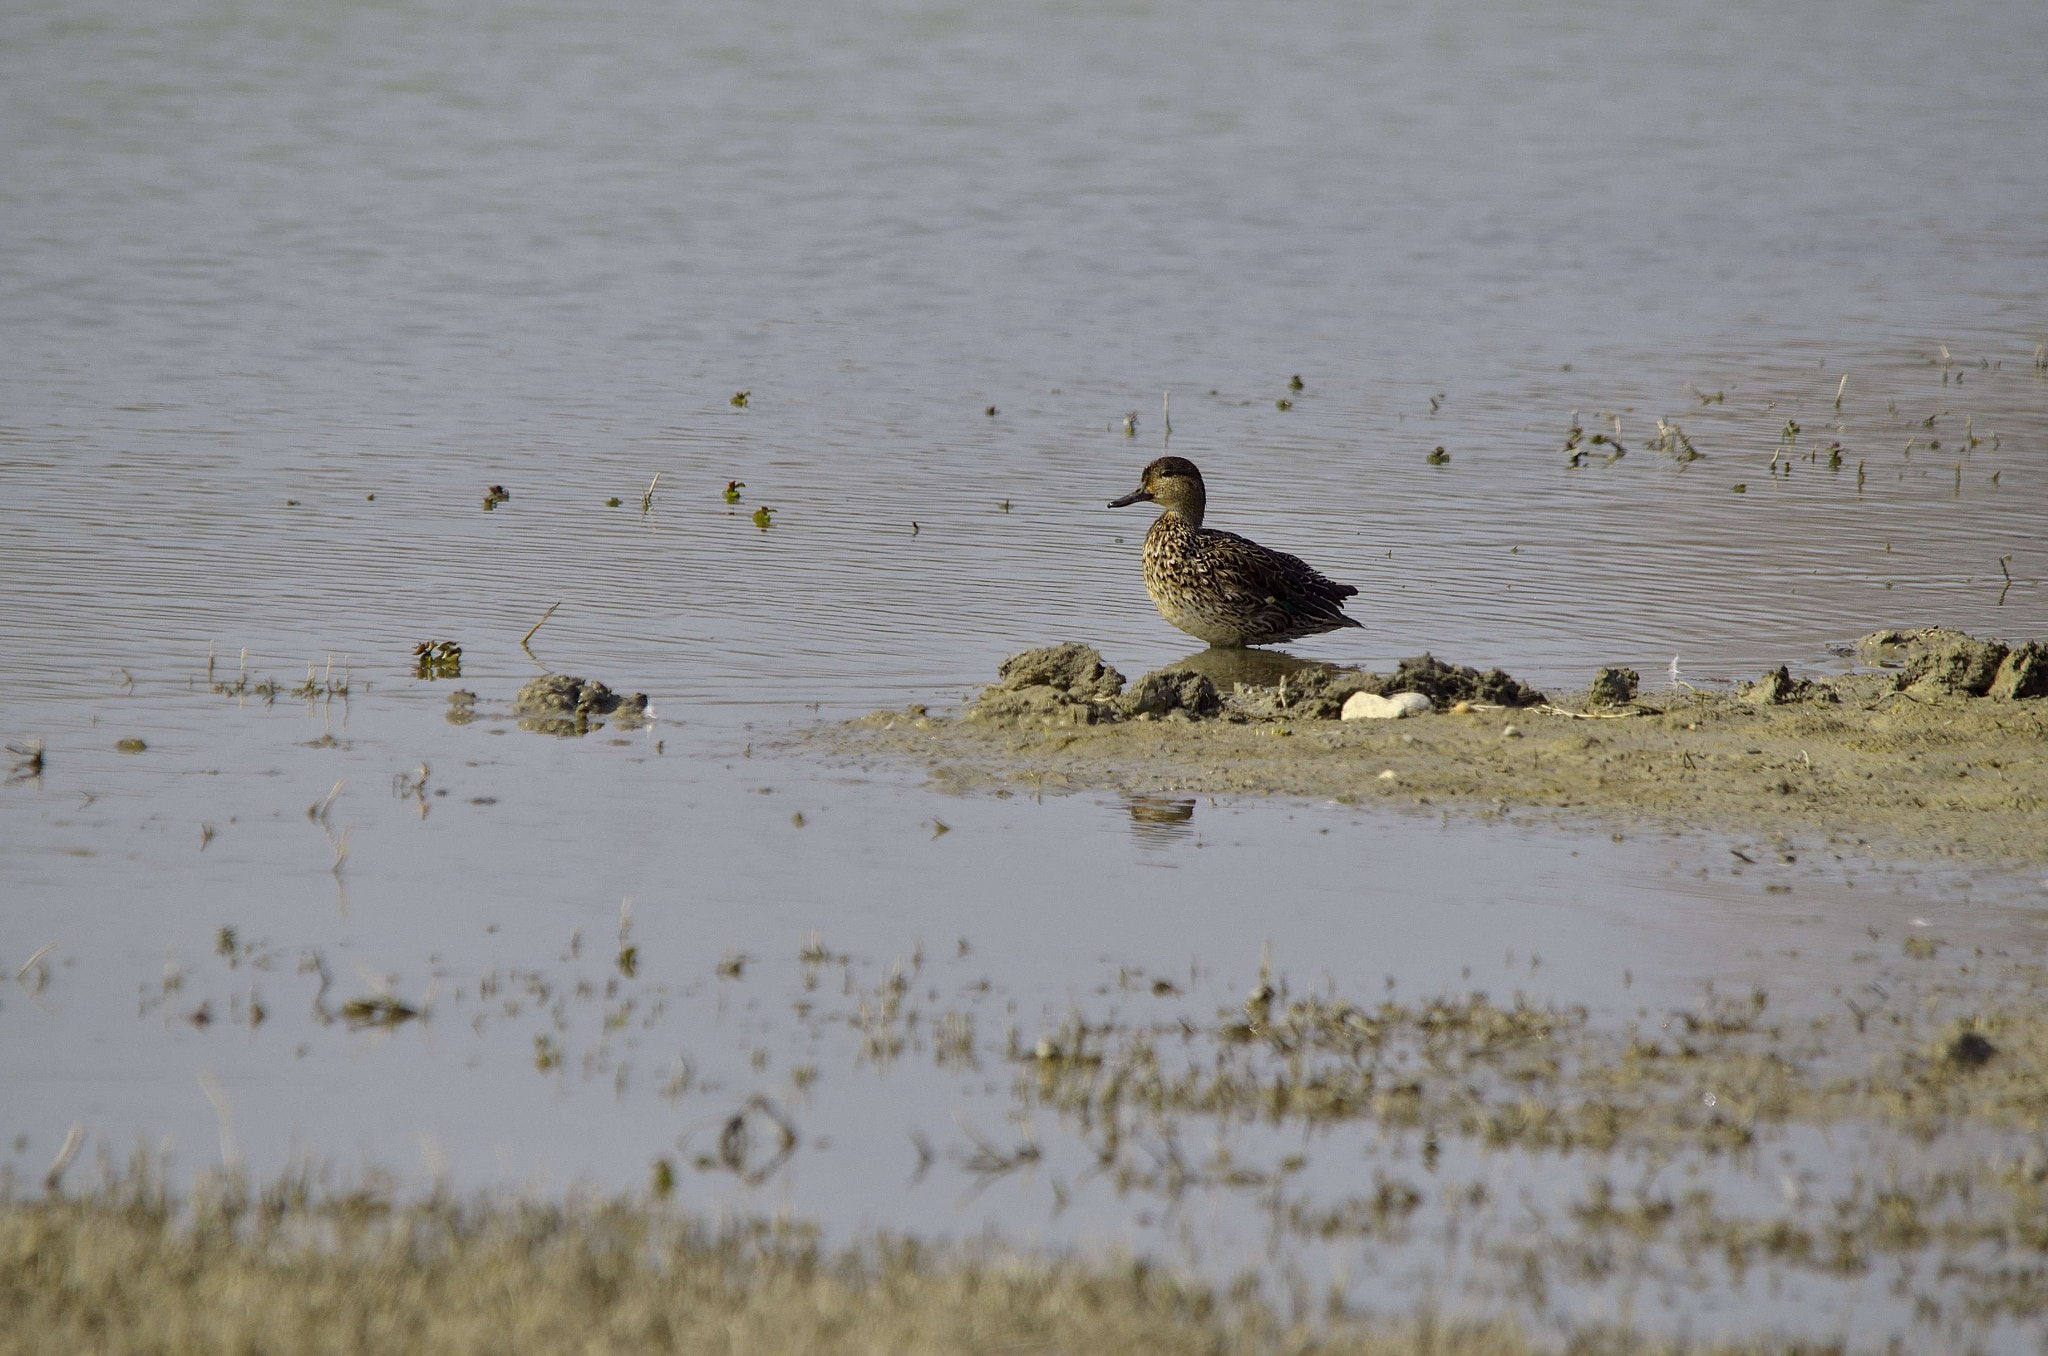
352,933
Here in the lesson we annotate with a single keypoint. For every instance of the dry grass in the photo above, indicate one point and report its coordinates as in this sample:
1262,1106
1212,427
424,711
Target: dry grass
129,1269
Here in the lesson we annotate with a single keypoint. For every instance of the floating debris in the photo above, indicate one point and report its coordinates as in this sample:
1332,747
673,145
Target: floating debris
738,1136
437,659
29,767
496,495
377,1010
1672,441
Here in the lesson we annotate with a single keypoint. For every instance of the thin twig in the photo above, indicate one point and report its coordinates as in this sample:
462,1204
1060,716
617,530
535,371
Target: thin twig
230,1155
32,961
551,611
72,1142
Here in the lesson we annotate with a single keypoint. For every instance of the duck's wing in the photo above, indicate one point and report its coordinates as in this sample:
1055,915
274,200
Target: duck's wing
1261,569
1284,593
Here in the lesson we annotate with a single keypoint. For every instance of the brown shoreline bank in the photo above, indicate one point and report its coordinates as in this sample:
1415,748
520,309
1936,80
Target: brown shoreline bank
1943,755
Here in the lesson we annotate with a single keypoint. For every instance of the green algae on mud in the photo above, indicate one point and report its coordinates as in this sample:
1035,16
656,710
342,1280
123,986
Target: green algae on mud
1930,760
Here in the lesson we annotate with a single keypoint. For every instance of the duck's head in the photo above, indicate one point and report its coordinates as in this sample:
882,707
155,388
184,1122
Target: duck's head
1175,485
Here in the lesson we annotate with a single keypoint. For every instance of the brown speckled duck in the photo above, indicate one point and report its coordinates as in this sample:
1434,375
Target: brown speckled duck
1219,586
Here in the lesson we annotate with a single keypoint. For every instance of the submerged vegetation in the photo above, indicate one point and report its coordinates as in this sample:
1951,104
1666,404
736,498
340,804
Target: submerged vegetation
1878,1138
289,1267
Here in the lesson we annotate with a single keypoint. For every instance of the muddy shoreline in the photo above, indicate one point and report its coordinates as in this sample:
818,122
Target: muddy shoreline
1895,762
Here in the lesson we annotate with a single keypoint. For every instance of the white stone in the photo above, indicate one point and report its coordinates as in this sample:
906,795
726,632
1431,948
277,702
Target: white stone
1366,706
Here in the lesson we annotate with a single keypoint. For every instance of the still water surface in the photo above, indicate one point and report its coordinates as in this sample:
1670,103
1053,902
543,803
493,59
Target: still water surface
288,286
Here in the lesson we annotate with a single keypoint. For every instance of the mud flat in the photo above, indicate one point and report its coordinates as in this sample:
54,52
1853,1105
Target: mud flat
1941,751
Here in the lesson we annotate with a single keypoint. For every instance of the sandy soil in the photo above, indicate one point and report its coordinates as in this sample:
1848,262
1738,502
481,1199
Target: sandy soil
1901,761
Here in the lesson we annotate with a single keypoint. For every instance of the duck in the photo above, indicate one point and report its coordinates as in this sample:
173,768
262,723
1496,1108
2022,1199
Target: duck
1218,586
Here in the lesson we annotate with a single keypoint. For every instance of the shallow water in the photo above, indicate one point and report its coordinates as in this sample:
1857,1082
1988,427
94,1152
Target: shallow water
290,287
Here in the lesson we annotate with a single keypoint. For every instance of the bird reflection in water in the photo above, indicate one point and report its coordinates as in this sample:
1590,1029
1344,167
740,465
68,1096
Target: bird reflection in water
1159,820
1251,666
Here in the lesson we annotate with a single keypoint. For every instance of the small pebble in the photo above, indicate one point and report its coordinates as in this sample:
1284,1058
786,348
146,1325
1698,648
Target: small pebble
1510,732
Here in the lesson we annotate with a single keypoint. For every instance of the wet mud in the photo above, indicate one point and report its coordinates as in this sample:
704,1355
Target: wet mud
1942,752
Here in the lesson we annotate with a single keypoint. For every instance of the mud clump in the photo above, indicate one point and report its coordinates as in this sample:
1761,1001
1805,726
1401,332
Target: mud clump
1069,684
1780,688
1613,687
1936,661
1168,691
1072,668
2023,674
1970,1050
1309,693
1962,665
1898,646
562,704
1449,684
1319,692
1065,684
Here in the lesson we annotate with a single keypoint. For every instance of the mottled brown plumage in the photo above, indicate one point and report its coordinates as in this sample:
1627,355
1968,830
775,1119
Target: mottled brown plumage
1219,586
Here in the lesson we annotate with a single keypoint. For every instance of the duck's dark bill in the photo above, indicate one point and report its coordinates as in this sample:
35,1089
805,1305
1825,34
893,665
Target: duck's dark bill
1135,496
